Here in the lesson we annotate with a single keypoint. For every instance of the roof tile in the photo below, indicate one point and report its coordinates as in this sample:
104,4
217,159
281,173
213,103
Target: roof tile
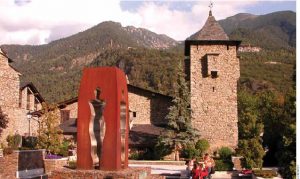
210,31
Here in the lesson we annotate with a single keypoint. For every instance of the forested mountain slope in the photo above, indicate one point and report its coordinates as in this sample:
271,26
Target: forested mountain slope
150,59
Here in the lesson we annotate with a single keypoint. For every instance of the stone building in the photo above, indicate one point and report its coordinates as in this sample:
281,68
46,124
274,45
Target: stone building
212,67
17,101
213,70
248,48
148,111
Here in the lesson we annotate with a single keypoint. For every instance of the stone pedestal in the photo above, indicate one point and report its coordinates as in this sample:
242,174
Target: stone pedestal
22,164
54,164
129,173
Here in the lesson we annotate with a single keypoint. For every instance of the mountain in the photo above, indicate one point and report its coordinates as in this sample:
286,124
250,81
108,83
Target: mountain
149,59
55,68
271,31
100,37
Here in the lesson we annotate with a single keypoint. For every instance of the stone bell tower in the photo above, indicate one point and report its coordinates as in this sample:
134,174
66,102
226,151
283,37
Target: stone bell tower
212,66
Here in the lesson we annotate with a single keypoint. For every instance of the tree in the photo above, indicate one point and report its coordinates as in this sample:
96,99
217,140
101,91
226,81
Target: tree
286,153
250,130
180,132
271,108
50,136
3,121
202,146
279,116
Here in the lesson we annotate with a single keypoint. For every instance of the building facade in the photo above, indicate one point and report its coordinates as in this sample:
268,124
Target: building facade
213,70
145,107
17,101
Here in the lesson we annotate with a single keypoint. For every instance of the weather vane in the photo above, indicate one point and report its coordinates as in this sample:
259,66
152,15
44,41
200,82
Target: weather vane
211,5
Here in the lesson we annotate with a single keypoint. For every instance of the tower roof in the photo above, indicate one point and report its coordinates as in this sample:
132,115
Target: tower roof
210,31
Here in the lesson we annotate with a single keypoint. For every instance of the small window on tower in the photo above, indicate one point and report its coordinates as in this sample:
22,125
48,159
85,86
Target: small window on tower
214,73
134,114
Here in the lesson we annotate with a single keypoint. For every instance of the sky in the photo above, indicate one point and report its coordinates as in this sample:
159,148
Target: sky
36,22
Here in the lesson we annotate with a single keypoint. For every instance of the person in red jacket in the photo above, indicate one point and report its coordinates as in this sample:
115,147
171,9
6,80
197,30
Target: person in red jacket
195,171
203,171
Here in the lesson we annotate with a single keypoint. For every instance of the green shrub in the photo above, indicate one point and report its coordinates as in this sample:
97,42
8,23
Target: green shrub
202,145
222,165
189,152
64,148
161,149
14,141
134,156
225,153
265,173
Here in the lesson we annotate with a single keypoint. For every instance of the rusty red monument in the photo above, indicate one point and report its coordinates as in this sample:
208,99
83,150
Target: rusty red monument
102,124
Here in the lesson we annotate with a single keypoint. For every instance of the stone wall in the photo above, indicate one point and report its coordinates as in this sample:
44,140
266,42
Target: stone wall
10,85
9,102
18,163
214,98
8,166
140,105
54,164
19,123
149,108
129,173
73,109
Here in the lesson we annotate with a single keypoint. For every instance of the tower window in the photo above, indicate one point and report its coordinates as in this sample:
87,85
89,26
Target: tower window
227,47
214,89
214,73
134,114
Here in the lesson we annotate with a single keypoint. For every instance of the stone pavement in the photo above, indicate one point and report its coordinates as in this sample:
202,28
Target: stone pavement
172,170
162,169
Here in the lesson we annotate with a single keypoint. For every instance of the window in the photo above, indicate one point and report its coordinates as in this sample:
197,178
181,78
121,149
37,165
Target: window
214,74
65,115
20,99
36,102
28,100
134,114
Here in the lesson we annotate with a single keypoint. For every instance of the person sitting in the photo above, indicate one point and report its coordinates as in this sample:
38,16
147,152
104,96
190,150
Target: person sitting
209,163
203,171
195,171
190,165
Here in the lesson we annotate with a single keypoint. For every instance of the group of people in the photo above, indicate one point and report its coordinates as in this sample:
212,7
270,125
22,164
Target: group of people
202,169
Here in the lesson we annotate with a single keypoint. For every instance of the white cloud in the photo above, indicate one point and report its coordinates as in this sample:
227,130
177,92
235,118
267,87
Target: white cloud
40,21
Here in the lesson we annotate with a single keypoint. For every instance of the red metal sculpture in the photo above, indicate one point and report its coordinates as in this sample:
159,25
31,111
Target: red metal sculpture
102,124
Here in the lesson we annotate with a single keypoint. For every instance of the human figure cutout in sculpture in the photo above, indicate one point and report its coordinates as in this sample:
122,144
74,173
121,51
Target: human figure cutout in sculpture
97,127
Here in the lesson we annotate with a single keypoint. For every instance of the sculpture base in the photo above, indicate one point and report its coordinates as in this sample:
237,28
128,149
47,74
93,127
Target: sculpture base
130,173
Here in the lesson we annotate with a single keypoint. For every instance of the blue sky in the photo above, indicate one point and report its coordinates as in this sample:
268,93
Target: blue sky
265,7
42,21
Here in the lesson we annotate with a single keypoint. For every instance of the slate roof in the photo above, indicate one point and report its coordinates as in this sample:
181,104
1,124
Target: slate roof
131,88
144,135
69,126
140,135
211,30
33,89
